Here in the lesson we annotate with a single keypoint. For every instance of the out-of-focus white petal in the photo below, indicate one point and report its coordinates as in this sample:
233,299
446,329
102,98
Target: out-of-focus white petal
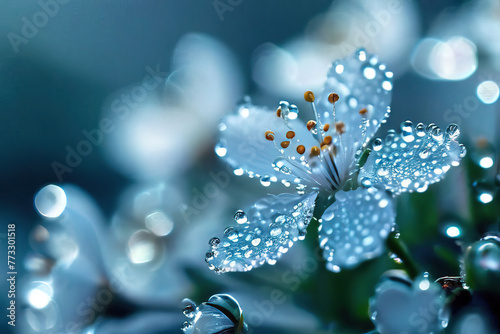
355,227
413,159
158,127
143,241
399,305
362,82
262,235
298,66
244,146
211,82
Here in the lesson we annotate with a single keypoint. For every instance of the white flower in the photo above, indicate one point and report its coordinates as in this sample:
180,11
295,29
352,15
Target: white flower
322,158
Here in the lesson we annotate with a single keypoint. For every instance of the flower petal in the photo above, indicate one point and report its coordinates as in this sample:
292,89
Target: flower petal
354,228
398,301
412,159
269,229
244,146
361,81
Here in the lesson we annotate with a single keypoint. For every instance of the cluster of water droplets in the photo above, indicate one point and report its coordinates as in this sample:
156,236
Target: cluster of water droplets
413,159
361,82
355,227
262,235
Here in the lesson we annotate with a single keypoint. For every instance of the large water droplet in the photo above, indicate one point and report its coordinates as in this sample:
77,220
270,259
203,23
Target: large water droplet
420,129
221,148
51,201
265,181
463,151
382,171
436,133
293,112
377,144
231,234
275,231
214,242
189,309
424,154
369,72
485,193
240,217
452,131
407,131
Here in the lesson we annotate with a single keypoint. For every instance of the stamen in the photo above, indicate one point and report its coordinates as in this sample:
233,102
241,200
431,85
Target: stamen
301,149
340,127
269,135
315,151
326,127
285,144
278,112
290,134
309,96
324,147
363,112
332,98
327,140
311,125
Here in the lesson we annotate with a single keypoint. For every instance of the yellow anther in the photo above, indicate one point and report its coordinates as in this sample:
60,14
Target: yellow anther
309,96
269,135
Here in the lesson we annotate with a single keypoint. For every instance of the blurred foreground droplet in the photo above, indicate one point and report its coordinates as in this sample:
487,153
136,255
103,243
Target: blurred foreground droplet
50,201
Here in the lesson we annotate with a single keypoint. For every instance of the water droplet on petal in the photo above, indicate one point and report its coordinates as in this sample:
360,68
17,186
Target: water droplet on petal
214,242
377,144
265,181
420,129
221,148
275,231
424,154
293,112
240,217
452,131
369,72
231,234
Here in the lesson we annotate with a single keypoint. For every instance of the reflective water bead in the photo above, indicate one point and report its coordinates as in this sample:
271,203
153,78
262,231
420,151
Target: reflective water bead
50,201
420,130
453,131
369,72
221,148
265,181
214,242
240,217
293,112
377,144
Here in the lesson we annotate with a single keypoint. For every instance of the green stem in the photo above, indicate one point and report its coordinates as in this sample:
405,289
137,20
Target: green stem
398,247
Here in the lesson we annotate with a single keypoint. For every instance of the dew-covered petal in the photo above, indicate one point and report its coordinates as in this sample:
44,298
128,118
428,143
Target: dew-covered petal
412,159
244,146
262,235
361,82
355,227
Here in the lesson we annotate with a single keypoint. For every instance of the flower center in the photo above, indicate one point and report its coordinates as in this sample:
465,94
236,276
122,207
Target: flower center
316,164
